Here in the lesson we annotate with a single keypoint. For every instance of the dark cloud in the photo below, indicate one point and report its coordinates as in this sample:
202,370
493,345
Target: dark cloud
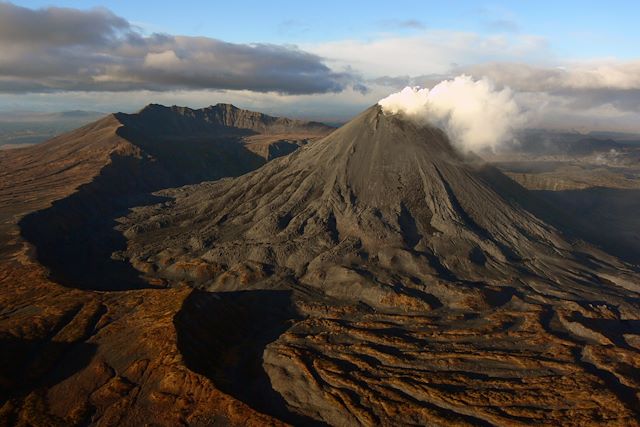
58,49
59,26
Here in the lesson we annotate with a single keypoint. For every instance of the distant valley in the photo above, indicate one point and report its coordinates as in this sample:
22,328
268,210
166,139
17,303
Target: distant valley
26,128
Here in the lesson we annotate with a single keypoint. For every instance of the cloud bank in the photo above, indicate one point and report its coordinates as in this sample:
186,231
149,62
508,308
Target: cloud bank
56,59
61,49
474,114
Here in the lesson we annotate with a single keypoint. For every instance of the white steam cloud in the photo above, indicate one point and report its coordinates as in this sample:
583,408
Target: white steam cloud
474,114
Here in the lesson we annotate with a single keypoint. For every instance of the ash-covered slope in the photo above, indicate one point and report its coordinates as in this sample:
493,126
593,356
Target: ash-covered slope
381,193
95,173
423,288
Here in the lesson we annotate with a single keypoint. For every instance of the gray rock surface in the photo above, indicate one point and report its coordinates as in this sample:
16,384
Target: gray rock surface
432,288
380,195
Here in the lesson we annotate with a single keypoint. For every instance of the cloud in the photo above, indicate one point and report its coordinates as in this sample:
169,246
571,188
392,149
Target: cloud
413,24
579,85
64,58
503,25
330,107
60,49
56,26
582,95
429,52
474,114
403,24
605,75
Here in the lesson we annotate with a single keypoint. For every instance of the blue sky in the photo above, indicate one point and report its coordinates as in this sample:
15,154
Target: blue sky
579,29
570,64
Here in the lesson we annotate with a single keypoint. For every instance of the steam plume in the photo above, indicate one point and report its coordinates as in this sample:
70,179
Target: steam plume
474,113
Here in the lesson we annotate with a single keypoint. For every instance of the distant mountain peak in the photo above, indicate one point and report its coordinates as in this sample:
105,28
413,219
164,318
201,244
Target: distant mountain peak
178,119
224,105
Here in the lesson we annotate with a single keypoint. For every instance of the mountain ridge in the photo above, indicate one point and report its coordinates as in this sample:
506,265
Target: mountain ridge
102,169
230,116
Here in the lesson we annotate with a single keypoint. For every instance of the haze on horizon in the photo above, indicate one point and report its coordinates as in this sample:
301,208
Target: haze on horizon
571,66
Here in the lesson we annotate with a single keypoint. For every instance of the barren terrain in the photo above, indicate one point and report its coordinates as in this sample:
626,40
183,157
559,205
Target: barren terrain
375,276
78,356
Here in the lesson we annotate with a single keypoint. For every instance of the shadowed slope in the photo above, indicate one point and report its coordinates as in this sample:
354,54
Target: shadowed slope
113,165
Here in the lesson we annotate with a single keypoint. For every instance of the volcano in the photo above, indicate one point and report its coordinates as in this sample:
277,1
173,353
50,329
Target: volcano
378,276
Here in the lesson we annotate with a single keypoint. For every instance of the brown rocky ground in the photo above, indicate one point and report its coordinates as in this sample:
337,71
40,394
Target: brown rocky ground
80,356
73,357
